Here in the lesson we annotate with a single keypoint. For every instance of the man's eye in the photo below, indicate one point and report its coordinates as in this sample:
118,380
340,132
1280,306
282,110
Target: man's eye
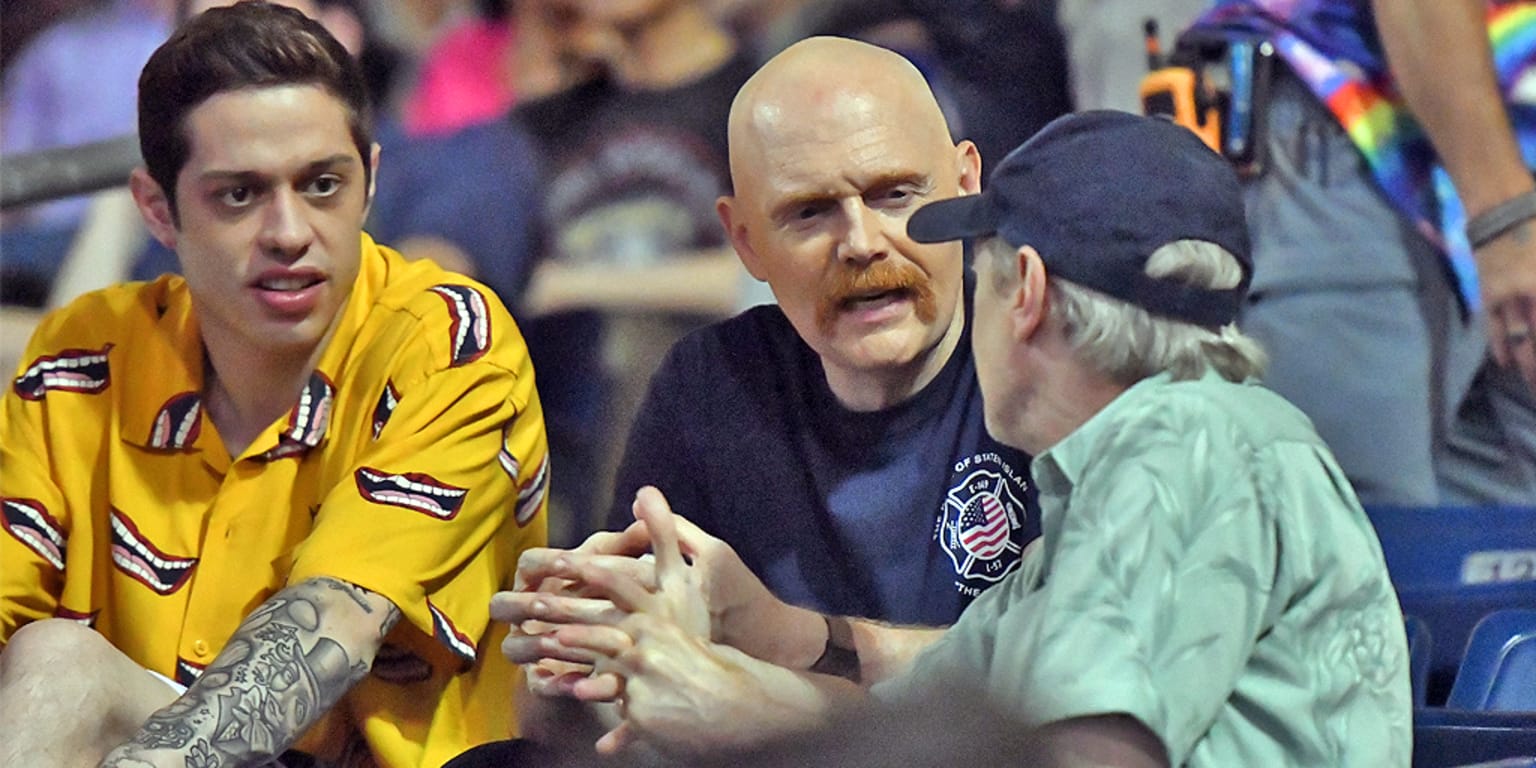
808,212
236,197
324,186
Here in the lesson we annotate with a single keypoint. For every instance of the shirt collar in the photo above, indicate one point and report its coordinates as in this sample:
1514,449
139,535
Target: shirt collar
162,371
1058,468
164,411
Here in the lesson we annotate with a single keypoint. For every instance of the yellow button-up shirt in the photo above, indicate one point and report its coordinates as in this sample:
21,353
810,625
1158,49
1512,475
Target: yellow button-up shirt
413,465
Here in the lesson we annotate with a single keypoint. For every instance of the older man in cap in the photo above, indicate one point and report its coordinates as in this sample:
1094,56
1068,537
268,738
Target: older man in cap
1207,590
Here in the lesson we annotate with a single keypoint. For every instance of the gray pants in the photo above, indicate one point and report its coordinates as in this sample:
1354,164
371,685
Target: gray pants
1361,319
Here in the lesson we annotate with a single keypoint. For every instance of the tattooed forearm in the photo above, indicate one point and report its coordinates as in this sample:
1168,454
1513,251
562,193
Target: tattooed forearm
287,664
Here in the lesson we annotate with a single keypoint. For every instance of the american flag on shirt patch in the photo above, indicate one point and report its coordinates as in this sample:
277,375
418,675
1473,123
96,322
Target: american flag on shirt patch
984,527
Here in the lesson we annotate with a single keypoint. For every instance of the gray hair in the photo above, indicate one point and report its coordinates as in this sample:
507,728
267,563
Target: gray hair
1128,344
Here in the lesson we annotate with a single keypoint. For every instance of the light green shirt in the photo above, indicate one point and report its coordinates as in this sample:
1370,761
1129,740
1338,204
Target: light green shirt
1206,569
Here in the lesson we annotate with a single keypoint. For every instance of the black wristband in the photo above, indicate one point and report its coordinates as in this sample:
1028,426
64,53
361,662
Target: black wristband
1487,226
841,657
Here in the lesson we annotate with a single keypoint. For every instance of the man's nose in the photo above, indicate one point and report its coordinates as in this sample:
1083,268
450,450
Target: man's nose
864,240
285,229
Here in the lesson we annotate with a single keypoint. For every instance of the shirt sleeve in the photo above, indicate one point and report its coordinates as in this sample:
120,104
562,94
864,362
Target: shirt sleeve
35,542
1156,589
434,510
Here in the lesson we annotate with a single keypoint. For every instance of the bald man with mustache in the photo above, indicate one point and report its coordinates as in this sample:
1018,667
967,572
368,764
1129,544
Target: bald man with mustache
835,441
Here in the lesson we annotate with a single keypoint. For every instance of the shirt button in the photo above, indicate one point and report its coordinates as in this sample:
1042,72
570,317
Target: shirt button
200,647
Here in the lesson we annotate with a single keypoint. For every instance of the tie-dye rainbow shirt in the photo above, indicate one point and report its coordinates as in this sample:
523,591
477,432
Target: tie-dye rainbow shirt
1332,45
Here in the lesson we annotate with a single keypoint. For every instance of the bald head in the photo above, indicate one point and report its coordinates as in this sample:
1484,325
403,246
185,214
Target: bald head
834,143
824,87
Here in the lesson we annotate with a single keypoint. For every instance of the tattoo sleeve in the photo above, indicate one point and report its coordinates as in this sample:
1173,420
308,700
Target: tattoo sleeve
287,664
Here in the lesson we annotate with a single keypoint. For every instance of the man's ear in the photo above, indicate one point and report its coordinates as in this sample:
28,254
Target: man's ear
736,230
968,163
1027,306
154,207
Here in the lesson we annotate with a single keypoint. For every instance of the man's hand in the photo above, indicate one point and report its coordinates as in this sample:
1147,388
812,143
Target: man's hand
543,598
678,691
1506,269
742,612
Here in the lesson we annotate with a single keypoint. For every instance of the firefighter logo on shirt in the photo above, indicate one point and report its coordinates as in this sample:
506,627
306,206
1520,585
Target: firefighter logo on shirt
980,525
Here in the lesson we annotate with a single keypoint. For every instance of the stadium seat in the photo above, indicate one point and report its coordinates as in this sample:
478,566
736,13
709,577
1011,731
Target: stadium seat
1420,646
1449,546
1449,738
1498,671
1450,613
1451,567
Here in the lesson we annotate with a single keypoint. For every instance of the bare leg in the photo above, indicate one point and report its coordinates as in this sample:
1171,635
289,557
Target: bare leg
67,697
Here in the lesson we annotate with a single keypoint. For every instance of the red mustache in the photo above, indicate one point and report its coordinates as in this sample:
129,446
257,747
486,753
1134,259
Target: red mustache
846,284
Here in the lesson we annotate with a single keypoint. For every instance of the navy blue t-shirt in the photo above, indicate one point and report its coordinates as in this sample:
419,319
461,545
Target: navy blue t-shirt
902,515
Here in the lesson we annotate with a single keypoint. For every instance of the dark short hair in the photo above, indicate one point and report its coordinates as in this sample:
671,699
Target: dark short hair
251,44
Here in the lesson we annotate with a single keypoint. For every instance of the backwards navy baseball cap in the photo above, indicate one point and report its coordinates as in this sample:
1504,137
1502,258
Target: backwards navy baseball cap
1095,193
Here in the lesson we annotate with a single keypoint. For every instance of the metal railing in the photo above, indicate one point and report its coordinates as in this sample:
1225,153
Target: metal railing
52,173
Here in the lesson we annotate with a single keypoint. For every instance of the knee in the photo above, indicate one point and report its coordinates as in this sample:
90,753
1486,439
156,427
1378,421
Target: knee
51,675
52,647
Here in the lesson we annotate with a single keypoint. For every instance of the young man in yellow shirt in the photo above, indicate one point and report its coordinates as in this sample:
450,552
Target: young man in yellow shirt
288,482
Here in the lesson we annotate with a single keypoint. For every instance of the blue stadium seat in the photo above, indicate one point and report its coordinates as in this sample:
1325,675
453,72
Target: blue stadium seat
1450,613
1498,671
1454,565
1447,738
1438,546
1419,649
1508,762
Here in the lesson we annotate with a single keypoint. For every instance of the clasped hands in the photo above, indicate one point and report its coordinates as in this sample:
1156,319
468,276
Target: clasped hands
607,623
